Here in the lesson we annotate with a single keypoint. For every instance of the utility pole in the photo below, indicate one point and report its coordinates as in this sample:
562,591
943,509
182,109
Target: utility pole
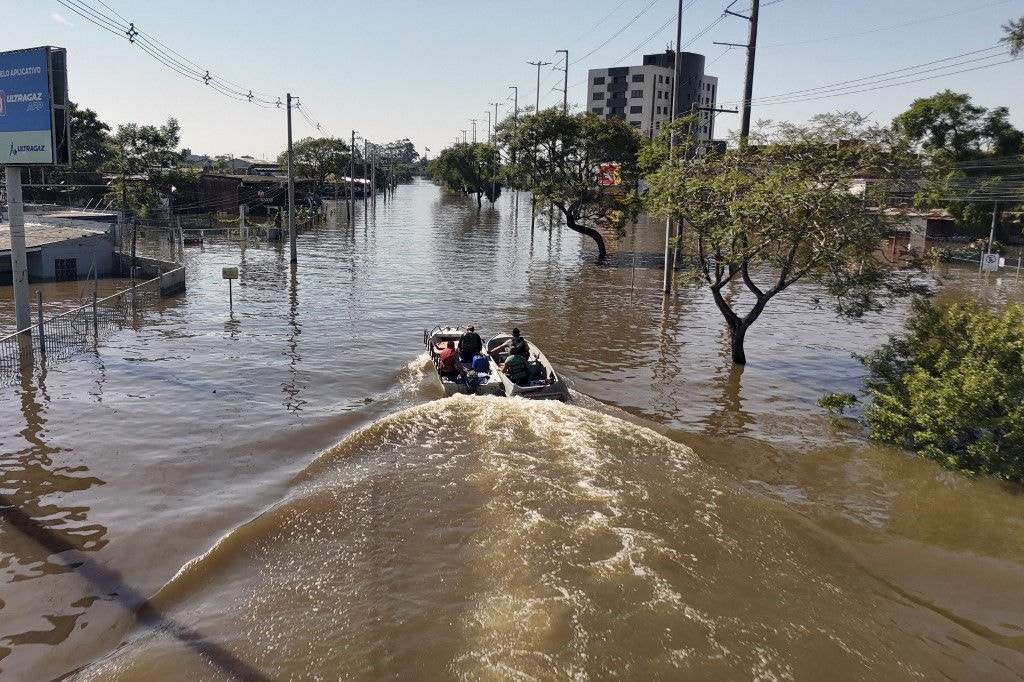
463,137
352,178
473,121
488,112
19,255
495,105
748,83
366,155
515,102
538,64
565,83
291,185
670,252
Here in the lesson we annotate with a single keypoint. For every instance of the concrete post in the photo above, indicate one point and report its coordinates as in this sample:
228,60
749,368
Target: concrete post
19,261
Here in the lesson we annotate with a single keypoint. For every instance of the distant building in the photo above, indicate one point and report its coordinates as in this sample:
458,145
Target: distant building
642,95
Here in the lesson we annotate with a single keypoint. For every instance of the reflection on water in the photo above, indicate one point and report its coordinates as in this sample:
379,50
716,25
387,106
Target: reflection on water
447,538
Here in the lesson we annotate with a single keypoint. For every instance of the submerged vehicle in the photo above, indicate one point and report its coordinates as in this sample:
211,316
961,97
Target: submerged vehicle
479,376
542,382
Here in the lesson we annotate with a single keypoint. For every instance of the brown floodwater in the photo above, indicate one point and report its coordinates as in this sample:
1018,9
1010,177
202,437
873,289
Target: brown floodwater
280,491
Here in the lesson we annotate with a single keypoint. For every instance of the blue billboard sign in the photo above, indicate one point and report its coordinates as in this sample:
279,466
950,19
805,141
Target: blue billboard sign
33,127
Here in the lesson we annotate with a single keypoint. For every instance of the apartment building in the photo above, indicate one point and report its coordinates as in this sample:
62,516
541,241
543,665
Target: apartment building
642,95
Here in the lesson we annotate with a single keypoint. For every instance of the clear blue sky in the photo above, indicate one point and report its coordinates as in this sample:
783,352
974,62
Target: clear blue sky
422,70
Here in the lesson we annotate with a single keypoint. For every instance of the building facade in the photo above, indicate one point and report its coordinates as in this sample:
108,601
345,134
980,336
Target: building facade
642,95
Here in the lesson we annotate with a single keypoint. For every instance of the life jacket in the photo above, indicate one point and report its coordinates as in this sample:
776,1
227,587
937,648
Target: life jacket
517,371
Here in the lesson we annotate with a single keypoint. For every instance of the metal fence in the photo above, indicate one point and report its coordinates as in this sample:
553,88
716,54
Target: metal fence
62,336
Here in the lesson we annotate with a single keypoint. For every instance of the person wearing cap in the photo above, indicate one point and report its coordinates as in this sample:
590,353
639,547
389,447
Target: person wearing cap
470,344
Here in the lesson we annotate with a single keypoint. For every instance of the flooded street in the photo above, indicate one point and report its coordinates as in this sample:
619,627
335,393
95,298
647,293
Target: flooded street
282,493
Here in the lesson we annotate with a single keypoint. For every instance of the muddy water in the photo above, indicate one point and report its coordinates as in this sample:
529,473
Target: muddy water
283,486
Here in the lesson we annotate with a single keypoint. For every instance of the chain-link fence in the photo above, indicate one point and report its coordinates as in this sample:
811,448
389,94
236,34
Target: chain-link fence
61,336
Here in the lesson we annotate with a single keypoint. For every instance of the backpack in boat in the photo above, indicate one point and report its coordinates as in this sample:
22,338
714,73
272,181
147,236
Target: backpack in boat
537,371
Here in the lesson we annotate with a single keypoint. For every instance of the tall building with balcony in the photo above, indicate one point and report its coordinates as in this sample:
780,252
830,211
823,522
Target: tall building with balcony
642,95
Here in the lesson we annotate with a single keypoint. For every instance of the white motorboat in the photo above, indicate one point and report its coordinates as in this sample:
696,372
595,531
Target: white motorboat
543,382
479,376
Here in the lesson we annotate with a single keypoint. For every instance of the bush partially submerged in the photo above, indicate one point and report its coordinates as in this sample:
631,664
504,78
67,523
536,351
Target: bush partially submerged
952,388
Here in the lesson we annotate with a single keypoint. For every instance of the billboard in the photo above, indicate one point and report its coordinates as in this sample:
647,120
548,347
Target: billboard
34,107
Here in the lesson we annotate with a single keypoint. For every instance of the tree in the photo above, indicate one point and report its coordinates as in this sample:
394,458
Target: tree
557,158
948,127
1014,37
952,388
950,132
469,167
317,157
90,140
780,211
142,157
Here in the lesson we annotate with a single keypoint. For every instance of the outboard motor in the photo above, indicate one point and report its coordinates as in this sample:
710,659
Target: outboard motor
472,382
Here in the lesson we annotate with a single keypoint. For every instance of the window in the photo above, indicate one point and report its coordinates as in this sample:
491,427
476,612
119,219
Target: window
636,110
635,124
598,110
636,93
598,80
598,95
65,269
618,79
661,79
638,78
668,80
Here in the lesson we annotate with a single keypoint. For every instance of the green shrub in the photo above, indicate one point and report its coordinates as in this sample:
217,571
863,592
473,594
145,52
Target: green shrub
952,388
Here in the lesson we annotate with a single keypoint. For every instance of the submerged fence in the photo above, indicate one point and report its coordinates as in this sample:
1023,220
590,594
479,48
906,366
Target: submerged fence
61,336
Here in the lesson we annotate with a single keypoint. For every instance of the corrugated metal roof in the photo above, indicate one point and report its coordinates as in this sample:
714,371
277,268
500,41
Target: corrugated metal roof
38,235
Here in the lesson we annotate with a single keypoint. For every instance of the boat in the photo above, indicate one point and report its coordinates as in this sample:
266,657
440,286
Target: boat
479,377
544,382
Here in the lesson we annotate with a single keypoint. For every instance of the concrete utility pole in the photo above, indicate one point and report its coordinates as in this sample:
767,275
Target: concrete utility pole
463,137
538,65
748,83
352,178
19,257
488,112
291,185
515,102
565,83
495,105
473,121
670,252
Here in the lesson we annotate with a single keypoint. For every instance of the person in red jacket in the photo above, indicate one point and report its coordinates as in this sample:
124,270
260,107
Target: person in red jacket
448,365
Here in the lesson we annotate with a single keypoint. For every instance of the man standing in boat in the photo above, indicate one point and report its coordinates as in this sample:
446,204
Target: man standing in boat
470,345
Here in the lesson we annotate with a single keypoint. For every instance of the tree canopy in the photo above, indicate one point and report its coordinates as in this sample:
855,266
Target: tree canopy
557,156
316,158
143,157
1014,38
781,210
469,167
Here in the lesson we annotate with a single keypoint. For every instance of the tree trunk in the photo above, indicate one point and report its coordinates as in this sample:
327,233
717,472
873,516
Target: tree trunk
570,222
479,201
738,333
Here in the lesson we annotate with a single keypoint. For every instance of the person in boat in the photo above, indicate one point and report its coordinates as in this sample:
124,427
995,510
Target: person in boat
448,365
470,344
516,370
515,346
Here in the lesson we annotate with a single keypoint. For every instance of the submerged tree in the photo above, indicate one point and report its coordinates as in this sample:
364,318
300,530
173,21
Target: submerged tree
472,168
781,210
557,158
